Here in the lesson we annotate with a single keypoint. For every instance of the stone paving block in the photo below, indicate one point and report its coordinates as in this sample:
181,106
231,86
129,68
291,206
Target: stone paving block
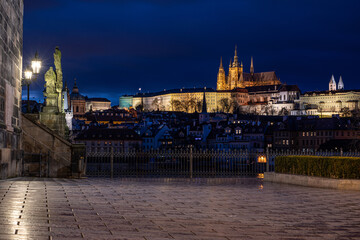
141,209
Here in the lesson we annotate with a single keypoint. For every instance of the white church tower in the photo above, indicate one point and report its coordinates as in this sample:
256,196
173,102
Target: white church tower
332,84
341,84
66,108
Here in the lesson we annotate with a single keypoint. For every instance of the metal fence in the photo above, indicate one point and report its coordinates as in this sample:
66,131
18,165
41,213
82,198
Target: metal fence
189,162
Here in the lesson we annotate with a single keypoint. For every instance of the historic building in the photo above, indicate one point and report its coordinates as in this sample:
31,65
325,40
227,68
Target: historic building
249,92
97,104
184,99
81,104
266,99
105,139
237,78
11,49
314,133
78,103
326,103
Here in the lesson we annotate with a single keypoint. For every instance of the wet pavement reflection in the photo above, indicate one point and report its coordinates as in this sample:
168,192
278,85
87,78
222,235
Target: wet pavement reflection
33,208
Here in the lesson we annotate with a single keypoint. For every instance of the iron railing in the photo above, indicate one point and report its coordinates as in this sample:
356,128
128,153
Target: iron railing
189,162
173,163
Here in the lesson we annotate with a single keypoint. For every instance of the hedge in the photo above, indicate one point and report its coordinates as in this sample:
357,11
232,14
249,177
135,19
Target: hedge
330,167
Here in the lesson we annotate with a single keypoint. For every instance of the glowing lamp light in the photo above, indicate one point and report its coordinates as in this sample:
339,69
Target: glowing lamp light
36,64
28,74
261,159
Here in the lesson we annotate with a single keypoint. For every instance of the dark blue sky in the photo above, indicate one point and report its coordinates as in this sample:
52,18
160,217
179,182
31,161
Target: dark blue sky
113,47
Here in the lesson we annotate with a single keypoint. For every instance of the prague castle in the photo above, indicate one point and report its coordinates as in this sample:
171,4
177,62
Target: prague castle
237,78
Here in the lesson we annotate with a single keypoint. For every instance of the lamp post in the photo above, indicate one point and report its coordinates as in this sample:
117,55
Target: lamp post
35,66
28,75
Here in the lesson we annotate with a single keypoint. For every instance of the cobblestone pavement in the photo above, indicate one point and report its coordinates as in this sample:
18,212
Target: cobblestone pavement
178,209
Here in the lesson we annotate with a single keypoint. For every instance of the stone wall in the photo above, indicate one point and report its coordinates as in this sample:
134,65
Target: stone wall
11,44
309,181
56,151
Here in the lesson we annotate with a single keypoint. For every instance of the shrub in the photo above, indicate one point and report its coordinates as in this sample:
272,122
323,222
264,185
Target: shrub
330,167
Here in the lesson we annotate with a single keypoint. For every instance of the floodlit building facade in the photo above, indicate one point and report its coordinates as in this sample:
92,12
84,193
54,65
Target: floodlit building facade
327,103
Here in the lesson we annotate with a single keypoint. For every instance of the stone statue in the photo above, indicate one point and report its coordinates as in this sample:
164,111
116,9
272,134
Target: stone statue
50,80
59,78
53,115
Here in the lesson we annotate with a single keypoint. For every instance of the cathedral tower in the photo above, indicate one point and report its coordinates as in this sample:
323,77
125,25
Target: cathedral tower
237,78
332,84
235,72
236,58
221,77
341,84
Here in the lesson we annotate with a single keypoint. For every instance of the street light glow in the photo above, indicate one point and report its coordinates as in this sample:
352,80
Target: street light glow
28,73
36,64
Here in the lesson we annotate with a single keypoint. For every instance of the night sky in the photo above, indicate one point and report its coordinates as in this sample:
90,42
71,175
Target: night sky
114,47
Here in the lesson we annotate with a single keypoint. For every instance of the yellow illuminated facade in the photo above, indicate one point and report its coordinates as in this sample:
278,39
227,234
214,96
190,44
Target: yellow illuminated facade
186,100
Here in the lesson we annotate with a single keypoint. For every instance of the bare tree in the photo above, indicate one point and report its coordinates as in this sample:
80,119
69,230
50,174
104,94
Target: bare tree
175,105
284,112
156,104
345,112
188,103
225,104
139,107
198,105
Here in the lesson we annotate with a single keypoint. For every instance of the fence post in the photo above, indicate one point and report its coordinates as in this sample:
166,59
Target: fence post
267,160
111,162
341,152
191,162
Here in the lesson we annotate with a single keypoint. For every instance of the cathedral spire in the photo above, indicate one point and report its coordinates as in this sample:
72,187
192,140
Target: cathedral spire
230,63
332,84
221,77
252,66
236,59
341,84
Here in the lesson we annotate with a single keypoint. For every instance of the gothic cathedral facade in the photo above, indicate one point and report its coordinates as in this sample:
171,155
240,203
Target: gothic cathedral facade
237,78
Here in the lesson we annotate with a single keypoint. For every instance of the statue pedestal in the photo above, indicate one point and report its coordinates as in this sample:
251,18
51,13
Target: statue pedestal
53,120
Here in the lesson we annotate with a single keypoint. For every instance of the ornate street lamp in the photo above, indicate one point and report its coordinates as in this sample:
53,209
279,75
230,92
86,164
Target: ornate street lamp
36,64
28,74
